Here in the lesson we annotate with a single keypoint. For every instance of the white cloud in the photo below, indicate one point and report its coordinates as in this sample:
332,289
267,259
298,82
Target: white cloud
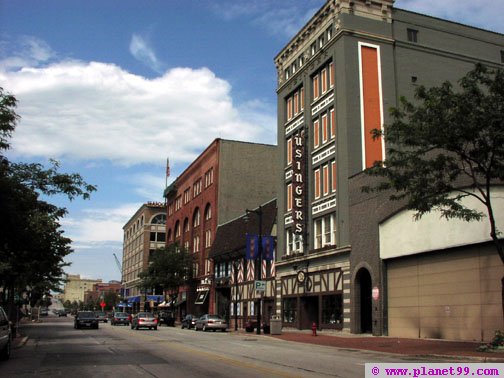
27,51
92,111
141,50
99,226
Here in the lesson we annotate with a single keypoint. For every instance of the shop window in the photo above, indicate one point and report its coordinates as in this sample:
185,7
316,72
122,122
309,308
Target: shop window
332,309
289,310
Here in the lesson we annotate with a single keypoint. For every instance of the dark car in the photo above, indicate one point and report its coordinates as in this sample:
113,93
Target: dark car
167,318
85,319
61,313
213,322
120,318
189,321
144,320
101,316
5,335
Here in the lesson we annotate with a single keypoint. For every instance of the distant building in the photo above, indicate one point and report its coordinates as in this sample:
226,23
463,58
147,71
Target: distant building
224,180
143,233
99,290
76,287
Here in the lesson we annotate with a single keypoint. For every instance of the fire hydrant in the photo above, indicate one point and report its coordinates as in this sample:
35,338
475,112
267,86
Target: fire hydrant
314,329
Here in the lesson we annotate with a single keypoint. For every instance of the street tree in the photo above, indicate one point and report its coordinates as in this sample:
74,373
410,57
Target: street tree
447,146
32,243
169,268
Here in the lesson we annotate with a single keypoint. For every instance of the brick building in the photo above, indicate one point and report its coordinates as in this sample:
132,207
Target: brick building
225,179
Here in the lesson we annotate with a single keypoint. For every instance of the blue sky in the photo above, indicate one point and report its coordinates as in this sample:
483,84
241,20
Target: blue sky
111,88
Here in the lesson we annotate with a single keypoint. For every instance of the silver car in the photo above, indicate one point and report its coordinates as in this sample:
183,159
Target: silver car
212,322
144,320
5,335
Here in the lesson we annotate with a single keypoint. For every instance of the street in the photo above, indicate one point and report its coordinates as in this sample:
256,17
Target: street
54,348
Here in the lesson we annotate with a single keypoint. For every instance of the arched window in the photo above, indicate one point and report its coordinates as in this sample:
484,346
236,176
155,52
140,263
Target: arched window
177,229
159,219
196,218
208,212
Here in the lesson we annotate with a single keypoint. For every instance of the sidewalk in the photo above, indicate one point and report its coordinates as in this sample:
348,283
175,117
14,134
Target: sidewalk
412,347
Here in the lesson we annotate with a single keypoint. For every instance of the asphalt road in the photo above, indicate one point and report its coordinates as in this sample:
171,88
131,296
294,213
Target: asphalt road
55,349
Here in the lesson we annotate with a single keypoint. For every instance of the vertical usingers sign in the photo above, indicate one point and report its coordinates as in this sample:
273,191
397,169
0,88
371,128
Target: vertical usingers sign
298,182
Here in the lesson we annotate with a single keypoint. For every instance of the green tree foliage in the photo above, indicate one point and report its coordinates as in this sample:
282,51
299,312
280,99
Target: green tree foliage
447,146
32,244
169,268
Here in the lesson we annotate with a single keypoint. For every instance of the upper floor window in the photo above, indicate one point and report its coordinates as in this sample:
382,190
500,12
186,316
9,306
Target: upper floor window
209,177
159,219
412,35
208,212
196,218
178,203
197,188
186,225
187,195
294,103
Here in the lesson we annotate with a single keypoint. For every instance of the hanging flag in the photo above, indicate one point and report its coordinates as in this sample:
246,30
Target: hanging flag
273,269
251,247
268,248
167,167
240,272
232,276
263,272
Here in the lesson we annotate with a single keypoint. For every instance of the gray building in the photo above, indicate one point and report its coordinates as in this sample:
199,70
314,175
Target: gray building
337,264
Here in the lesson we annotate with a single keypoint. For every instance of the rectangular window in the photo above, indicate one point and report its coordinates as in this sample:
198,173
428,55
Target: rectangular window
316,89
325,177
302,99
412,35
331,75
289,310
289,108
317,184
317,224
327,231
296,103
208,239
323,80
333,123
316,133
289,151
289,197
332,310
325,131
187,195
329,32
334,181
313,48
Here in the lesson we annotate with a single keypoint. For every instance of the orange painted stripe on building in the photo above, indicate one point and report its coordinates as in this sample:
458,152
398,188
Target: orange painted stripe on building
371,103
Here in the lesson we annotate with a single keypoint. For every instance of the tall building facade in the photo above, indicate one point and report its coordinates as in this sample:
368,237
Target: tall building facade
143,233
224,180
337,78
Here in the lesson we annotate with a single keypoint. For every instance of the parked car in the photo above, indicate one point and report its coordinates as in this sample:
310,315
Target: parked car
144,320
189,321
61,313
5,335
166,318
212,322
101,316
85,319
120,318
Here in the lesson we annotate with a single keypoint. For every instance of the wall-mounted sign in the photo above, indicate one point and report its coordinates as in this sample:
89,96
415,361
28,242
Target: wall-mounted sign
298,182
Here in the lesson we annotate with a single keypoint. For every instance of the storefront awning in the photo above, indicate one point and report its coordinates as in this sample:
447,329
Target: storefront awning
201,297
155,298
135,299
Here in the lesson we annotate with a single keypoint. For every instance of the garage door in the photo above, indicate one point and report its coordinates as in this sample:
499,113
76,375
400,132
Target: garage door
453,294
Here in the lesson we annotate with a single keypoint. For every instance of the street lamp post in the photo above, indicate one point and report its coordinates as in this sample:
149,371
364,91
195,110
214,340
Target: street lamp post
259,212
